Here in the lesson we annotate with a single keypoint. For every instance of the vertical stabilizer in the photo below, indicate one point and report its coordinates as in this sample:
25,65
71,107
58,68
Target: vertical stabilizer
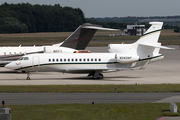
81,37
147,45
151,36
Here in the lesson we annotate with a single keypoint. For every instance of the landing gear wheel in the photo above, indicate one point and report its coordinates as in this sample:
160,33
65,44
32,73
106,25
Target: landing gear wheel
28,76
101,76
96,75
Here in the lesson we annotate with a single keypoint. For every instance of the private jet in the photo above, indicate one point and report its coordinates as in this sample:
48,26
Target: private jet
120,57
77,41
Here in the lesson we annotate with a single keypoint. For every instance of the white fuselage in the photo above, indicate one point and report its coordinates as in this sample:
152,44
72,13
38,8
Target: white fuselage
76,62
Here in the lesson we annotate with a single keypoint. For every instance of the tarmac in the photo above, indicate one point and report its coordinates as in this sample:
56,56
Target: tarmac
165,71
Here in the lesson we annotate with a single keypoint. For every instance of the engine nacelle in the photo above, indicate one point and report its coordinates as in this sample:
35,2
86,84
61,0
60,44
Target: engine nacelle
52,49
120,48
122,58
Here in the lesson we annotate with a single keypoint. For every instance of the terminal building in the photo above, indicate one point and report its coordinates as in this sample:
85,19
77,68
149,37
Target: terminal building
134,30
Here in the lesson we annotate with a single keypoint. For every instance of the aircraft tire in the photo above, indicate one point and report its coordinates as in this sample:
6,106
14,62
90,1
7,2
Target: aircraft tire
101,76
28,78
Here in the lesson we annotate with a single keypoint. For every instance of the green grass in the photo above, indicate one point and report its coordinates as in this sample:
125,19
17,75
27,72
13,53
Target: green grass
91,88
119,111
167,37
96,41
26,41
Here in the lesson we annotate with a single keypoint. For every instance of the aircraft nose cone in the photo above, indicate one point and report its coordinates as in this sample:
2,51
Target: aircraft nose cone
11,65
8,66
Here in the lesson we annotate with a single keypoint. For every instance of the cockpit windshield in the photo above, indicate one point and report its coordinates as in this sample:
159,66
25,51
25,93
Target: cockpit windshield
20,58
23,58
26,58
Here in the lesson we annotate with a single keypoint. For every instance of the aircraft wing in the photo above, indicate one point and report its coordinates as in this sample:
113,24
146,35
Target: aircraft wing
88,70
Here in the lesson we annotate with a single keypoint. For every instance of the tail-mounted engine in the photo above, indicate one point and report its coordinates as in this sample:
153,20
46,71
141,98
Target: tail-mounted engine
52,49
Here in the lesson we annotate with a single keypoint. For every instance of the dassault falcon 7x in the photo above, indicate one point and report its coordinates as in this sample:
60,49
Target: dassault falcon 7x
78,40
121,57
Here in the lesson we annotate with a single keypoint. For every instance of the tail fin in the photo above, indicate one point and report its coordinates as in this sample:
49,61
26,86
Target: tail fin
80,38
147,45
151,36
145,48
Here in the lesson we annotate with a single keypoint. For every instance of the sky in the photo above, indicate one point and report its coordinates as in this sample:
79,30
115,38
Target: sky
114,8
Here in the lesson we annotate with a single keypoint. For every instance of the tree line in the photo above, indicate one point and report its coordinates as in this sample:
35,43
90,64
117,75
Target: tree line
24,17
123,25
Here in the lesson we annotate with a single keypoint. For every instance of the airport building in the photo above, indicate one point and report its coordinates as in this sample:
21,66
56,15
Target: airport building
136,30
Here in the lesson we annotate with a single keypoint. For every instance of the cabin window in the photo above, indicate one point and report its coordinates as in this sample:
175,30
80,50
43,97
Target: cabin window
79,59
68,59
95,59
4,53
61,60
14,53
88,59
84,59
76,59
9,53
99,59
57,60
49,60
64,60
91,59
72,59
53,60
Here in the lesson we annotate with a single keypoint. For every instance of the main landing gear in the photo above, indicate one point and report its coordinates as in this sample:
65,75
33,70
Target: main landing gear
96,75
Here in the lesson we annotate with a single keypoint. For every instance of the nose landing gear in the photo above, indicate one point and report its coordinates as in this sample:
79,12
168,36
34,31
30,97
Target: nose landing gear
28,76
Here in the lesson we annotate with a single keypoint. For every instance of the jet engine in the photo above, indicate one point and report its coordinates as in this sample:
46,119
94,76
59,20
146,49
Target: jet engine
121,48
52,49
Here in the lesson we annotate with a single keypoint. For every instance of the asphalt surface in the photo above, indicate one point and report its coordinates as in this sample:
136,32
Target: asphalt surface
161,72
164,71
86,98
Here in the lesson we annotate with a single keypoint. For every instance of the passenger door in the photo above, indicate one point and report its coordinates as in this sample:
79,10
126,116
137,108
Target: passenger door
35,63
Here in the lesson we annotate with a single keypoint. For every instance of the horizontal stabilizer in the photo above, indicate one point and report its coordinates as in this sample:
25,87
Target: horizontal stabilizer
98,28
156,46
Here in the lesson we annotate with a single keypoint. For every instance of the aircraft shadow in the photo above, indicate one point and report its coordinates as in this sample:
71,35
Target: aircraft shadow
104,79
11,72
